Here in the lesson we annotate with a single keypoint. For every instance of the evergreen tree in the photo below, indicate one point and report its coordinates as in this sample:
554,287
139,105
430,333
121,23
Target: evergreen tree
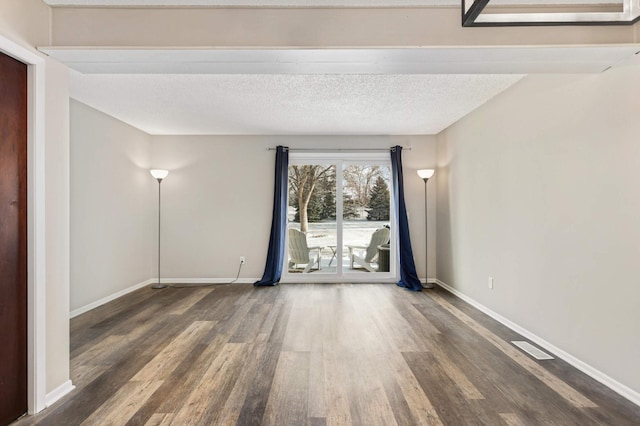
349,207
379,203
327,189
329,205
314,208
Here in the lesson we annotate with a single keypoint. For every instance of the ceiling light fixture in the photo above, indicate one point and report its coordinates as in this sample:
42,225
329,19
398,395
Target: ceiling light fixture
487,13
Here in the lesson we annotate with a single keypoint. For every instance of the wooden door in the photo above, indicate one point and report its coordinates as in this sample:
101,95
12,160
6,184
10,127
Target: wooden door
13,239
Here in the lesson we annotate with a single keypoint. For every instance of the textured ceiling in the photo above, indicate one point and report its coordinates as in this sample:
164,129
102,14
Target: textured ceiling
288,104
309,3
309,91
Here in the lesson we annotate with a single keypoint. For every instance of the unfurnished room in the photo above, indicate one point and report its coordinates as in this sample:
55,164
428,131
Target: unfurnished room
322,212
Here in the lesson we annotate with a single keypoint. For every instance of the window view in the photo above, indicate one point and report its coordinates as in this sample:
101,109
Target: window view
366,218
339,219
312,218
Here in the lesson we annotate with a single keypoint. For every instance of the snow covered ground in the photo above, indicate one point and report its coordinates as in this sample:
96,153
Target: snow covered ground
324,234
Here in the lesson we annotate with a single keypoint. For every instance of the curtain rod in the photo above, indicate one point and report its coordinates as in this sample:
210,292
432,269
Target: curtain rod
341,149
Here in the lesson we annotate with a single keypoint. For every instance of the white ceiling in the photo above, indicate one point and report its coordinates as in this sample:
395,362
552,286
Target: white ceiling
311,3
309,91
324,104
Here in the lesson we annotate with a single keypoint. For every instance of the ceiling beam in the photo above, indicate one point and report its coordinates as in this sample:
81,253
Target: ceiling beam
303,28
443,60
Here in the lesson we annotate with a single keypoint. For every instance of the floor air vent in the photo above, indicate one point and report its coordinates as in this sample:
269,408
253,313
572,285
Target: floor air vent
531,350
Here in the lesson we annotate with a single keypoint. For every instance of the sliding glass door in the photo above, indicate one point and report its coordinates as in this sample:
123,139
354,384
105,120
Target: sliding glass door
339,218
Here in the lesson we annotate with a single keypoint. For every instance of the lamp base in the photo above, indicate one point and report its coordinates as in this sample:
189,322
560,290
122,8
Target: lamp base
159,286
428,286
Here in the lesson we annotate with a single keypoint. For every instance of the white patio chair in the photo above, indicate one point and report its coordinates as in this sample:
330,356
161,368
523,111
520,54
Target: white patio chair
379,237
300,253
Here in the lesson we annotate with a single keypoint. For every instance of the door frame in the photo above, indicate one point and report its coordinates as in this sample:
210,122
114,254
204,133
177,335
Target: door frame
340,158
36,253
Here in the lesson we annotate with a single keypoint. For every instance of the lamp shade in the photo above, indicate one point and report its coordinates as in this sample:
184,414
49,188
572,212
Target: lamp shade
426,173
158,173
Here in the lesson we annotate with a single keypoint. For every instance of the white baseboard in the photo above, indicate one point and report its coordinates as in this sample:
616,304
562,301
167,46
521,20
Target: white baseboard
205,280
596,374
58,393
109,298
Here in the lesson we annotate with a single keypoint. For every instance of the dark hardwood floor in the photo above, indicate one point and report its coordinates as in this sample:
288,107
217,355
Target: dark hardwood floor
314,354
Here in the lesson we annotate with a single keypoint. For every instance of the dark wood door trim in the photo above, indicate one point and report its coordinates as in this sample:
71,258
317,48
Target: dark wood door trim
13,239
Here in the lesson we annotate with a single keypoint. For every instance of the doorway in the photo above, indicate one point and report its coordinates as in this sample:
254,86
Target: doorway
13,238
339,218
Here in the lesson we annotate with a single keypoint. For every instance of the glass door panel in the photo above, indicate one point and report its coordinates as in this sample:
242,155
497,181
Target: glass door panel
366,218
311,229
339,219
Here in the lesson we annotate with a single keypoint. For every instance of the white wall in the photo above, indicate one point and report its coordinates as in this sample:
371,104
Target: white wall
539,189
218,198
112,206
57,223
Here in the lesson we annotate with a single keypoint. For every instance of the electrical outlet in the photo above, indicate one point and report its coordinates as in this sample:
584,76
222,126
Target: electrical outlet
490,282
242,259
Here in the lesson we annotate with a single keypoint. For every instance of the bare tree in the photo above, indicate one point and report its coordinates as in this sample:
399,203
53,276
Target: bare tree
359,180
302,181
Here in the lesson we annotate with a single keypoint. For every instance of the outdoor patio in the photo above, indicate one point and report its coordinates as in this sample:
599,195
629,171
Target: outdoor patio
324,234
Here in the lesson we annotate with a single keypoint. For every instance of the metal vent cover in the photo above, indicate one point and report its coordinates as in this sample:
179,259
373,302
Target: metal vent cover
531,350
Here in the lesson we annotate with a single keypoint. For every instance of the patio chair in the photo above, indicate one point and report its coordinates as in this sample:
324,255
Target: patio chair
379,237
300,253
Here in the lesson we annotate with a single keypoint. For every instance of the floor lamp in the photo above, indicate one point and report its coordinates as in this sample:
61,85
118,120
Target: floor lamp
159,175
425,174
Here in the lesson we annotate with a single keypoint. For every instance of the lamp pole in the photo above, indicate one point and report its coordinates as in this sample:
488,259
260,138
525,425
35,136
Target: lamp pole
159,175
425,174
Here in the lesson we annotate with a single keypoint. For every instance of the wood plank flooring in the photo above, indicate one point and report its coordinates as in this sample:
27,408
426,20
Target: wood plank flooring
314,354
